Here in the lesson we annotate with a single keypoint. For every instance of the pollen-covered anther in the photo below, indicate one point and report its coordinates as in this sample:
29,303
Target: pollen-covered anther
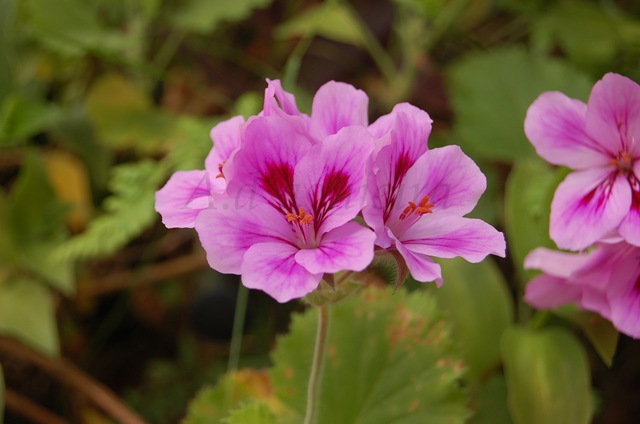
624,162
420,209
220,165
301,218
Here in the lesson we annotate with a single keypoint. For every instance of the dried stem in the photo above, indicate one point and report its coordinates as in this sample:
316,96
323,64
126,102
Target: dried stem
74,378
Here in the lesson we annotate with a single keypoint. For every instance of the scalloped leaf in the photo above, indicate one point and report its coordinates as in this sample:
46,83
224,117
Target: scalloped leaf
252,413
390,359
202,16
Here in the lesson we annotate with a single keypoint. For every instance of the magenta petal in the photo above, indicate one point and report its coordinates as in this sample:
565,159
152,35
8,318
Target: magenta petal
421,267
624,295
630,225
613,114
226,138
419,120
451,236
183,197
276,100
349,247
331,179
232,225
557,264
587,206
272,268
337,105
556,126
373,214
546,292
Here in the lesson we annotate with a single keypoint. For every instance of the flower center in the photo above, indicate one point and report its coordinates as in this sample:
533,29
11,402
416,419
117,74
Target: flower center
220,165
302,218
418,210
624,162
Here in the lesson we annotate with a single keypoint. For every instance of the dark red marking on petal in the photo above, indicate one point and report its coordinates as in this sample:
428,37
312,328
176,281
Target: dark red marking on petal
334,189
601,193
396,176
277,181
634,182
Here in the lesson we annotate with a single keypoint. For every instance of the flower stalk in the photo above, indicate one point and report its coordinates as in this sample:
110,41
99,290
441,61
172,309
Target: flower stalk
317,365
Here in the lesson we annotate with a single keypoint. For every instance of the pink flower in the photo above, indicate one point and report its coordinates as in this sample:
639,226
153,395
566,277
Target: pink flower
600,142
605,280
188,192
417,198
286,217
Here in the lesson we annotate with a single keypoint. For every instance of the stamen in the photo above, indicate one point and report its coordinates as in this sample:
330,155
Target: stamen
420,209
220,165
624,162
302,218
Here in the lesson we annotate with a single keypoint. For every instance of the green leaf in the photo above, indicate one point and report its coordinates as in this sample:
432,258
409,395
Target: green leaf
21,118
547,376
390,358
192,143
128,211
330,19
491,92
124,117
491,403
72,27
203,16
530,188
7,47
600,332
252,413
480,307
27,313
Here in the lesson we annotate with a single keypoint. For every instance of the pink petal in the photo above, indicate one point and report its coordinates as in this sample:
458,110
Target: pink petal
554,263
556,126
451,236
453,182
331,179
373,214
272,268
630,225
421,267
232,225
347,247
613,114
276,100
337,105
587,206
183,197
226,138
547,292
624,295
418,118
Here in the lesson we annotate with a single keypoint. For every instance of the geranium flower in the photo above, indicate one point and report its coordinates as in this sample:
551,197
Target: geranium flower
286,217
188,192
605,280
418,197
600,141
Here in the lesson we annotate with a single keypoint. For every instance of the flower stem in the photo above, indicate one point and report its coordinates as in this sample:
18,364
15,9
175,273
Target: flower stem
316,367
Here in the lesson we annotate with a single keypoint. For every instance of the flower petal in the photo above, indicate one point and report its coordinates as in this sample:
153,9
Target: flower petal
588,205
630,225
421,267
554,263
331,179
276,100
556,126
420,121
624,294
450,236
547,292
183,197
349,247
233,224
226,138
272,268
613,114
337,105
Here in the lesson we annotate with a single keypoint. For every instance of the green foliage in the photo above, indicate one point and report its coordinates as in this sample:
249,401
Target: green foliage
7,46
491,92
27,313
128,211
547,375
1,396
479,305
202,16
252,413
390,358
192,143
22,117
491,403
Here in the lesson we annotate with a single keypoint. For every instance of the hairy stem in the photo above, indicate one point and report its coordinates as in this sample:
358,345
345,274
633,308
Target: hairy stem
316,367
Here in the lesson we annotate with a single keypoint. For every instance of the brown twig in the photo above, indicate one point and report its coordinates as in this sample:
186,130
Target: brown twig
70,375
29,409
143,277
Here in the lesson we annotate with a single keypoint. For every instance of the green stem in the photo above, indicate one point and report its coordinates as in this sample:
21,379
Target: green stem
238,326
316,368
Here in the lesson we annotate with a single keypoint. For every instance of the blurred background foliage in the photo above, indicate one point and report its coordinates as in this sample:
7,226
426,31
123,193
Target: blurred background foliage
100,101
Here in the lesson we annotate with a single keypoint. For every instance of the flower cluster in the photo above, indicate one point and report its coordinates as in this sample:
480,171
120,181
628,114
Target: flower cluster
597,205
287,199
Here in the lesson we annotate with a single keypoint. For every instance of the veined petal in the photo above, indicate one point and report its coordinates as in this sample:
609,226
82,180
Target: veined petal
555,263
337,105
556,126
630,226
272,268
373,214
453,182
613,114
183,197
421,267
233,224
624,294
349,247
420,123
265,164
331,179
588,205
547,292
450,236
277,100
226,138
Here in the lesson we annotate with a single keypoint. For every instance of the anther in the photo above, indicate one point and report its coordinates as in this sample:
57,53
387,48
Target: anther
420,209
